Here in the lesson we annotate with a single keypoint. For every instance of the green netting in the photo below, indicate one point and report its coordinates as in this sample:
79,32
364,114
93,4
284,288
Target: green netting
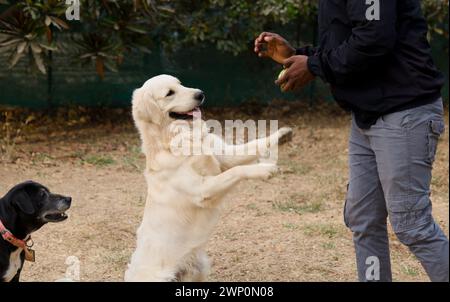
225,78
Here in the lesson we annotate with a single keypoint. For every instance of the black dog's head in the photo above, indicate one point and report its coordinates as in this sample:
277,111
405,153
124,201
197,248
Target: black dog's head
35,205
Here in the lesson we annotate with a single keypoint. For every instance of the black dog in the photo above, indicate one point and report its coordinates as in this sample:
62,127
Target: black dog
23,210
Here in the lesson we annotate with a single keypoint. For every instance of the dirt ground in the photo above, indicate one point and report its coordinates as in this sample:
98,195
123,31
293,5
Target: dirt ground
289,228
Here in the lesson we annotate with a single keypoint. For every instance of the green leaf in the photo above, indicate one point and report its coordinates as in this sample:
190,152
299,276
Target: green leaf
39,62
36,48
110,65
52,47
48,21
21,47
136,29
15,59
59,23
10,42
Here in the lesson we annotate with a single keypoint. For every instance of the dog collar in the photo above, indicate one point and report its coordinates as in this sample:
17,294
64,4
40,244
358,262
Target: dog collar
9,237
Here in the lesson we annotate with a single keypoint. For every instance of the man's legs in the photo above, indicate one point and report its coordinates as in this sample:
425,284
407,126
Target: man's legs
405,145
365,211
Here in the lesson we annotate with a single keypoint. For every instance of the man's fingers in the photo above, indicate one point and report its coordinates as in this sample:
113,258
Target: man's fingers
288,62
287,81
284,78
262,49
258,40
265,37
266,34
261,42
269,39
288,86
261,46
262,35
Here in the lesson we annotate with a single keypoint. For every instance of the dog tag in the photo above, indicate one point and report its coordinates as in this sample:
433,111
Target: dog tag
30,255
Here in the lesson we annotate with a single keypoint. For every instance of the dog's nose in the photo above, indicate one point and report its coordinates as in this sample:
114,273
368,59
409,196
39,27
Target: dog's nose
69,200
200,96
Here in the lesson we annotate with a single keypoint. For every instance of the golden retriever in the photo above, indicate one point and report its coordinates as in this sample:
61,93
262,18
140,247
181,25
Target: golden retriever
185,192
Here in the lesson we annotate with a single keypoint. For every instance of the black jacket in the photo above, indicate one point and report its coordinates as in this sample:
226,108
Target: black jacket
378,66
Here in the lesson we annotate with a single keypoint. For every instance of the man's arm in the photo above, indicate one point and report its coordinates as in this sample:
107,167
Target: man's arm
366,48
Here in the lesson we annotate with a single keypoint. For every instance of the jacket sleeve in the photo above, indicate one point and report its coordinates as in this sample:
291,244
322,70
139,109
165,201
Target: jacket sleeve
369,42
306,51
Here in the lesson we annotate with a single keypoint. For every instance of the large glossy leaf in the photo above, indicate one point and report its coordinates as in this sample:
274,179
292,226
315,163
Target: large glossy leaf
38,59
22,46
8,42
15,59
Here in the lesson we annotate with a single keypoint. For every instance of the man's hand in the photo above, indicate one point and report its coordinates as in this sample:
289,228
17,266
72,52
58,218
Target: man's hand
273,46
297,74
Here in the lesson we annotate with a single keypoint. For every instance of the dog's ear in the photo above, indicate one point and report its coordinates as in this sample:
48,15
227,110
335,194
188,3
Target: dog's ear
144,107
22,201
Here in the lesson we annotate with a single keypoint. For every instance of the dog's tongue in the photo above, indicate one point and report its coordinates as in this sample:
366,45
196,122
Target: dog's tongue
195,113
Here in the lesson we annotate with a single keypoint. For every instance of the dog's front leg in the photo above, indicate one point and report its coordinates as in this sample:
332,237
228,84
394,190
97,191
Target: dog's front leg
17,276
214,187
235,155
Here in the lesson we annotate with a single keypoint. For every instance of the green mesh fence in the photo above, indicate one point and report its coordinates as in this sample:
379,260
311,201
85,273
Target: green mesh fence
227,80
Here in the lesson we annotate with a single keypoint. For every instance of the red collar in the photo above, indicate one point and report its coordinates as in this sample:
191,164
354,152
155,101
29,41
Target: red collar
9,237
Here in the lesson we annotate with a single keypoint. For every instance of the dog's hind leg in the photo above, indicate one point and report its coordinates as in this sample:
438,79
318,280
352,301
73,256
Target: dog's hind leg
203,266
195,268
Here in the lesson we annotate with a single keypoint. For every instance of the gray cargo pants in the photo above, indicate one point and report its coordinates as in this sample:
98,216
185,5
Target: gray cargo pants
390,174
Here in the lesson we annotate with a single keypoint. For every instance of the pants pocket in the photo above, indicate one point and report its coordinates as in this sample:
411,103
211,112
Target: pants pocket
435,129
409,212
345,209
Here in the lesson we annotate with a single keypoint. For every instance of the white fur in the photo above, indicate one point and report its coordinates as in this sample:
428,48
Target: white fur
14,265
185,193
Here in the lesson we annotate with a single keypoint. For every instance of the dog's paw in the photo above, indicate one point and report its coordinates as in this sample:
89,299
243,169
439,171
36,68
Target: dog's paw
284,135
263,171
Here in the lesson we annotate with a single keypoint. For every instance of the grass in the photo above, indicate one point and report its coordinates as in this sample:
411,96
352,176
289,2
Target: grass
251,206
133,162
41,158
117,256
292,167
10,133
329,245
141,201
410,271
294,206
255,208
290,226
133,158
78,154
437,181
326,230
99,161
41,174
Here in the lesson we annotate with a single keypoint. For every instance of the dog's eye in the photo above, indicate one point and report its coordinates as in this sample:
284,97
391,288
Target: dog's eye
171,92
42,194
